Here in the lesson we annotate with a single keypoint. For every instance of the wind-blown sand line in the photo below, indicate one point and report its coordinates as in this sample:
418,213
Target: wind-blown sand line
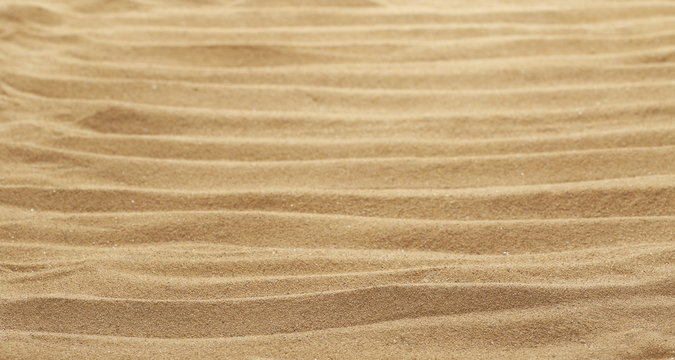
385,303
626,197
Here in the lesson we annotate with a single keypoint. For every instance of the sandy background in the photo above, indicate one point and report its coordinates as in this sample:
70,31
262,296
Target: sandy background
344,179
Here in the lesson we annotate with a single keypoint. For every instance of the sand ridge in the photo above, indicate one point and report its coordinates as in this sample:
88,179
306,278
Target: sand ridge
350,179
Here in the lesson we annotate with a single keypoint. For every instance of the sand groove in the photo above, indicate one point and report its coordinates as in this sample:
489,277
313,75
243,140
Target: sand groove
337,179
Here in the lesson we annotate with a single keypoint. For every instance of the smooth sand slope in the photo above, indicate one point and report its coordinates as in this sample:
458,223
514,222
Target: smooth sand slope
348,179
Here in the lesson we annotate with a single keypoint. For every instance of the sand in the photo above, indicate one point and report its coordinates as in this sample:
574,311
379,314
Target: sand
348,179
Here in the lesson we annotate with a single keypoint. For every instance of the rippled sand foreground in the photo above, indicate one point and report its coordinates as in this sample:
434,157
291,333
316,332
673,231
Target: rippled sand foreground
349,179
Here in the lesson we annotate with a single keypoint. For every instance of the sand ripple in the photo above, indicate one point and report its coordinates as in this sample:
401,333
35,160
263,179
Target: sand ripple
315,179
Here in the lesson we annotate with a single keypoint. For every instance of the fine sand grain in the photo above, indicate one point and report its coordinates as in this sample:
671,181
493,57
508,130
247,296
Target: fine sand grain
348,179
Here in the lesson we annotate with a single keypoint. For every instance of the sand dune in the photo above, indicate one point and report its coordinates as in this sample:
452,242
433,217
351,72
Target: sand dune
314,179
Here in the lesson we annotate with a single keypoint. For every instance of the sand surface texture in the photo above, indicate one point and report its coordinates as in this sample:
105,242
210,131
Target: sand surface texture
348,179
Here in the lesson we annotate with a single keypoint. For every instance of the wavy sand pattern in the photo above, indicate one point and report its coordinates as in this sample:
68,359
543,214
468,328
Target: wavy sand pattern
349,179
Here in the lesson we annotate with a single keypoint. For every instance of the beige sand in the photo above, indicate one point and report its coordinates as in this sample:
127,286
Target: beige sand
348,179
